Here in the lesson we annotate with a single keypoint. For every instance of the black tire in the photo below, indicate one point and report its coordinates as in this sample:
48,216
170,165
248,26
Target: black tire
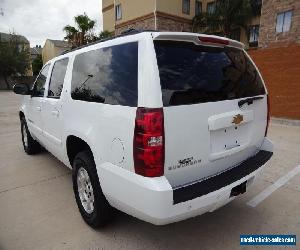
102,212
32,146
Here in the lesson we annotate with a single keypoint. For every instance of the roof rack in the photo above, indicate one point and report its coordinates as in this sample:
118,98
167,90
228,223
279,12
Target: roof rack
127,32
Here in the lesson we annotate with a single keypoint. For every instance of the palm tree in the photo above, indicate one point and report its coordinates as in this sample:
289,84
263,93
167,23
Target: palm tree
227,16
84,31
85,25
71,33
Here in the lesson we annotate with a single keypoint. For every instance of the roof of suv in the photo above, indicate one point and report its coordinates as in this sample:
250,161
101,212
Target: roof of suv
198,38
188,36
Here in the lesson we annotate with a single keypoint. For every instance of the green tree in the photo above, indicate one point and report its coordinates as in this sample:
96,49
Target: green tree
14,58
226,16
105,34
82,33
37,65
71,34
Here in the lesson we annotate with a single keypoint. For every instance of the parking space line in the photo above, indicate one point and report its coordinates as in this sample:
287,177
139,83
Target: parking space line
270,189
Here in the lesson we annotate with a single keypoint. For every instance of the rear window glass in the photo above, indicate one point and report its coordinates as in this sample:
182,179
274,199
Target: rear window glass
191,74
108,75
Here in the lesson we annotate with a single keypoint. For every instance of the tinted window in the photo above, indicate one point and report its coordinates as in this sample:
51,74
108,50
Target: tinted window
57,78
192,73
39,86
107,75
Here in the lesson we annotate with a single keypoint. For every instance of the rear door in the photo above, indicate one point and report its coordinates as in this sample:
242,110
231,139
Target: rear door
52,107
210,122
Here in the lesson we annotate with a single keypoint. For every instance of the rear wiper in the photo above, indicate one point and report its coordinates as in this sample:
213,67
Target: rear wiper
249,100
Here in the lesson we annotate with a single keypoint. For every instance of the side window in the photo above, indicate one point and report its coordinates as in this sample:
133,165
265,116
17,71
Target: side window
108,75
57,78
39,86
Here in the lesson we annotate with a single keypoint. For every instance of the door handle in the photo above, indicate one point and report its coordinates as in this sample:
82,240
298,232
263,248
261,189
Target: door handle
55,113
38,108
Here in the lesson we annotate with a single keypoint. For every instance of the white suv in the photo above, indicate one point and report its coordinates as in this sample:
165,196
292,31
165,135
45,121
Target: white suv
161,125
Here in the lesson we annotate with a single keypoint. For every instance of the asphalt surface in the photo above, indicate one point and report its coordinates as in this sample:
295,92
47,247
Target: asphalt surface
38,210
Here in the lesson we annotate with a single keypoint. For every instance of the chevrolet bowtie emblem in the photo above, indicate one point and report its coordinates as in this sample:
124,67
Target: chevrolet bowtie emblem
237,119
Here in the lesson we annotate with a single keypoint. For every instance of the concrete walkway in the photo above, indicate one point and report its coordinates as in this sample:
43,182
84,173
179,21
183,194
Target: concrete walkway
38,210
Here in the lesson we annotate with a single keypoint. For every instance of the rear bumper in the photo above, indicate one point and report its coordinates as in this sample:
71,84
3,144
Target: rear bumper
221,180
153,199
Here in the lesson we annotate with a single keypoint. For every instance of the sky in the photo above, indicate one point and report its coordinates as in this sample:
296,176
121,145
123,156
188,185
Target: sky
38,20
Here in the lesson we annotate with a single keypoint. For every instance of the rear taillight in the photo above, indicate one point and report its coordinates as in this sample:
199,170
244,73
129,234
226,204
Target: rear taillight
268,115
148,144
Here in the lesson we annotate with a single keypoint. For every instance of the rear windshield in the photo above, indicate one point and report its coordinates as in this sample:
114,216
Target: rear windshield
191,74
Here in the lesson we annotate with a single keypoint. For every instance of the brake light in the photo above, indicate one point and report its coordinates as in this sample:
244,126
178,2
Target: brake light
213,40
268,115
148,142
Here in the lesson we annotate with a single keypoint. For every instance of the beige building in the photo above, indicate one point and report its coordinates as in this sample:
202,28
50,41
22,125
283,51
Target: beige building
53,48
165,15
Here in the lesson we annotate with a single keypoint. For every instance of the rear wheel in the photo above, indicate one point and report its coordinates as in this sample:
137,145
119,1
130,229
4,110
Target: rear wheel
30,145
90,199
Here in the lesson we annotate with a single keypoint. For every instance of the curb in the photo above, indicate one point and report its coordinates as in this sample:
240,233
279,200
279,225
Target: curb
285,121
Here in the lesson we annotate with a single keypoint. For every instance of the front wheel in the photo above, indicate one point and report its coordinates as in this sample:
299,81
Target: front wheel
92,204
30,145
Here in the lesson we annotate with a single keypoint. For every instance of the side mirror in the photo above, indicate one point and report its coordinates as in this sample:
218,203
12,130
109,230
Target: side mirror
21,89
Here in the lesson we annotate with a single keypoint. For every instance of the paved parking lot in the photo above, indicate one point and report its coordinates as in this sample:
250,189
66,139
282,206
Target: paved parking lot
38,210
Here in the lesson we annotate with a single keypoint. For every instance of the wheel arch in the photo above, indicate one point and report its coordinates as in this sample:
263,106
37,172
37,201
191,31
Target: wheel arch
21,114
74,145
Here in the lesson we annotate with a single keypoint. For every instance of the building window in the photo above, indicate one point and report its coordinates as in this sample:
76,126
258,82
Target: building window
211,7
284,20
186,7
256,6
118,12
253,35
198,7
235,34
